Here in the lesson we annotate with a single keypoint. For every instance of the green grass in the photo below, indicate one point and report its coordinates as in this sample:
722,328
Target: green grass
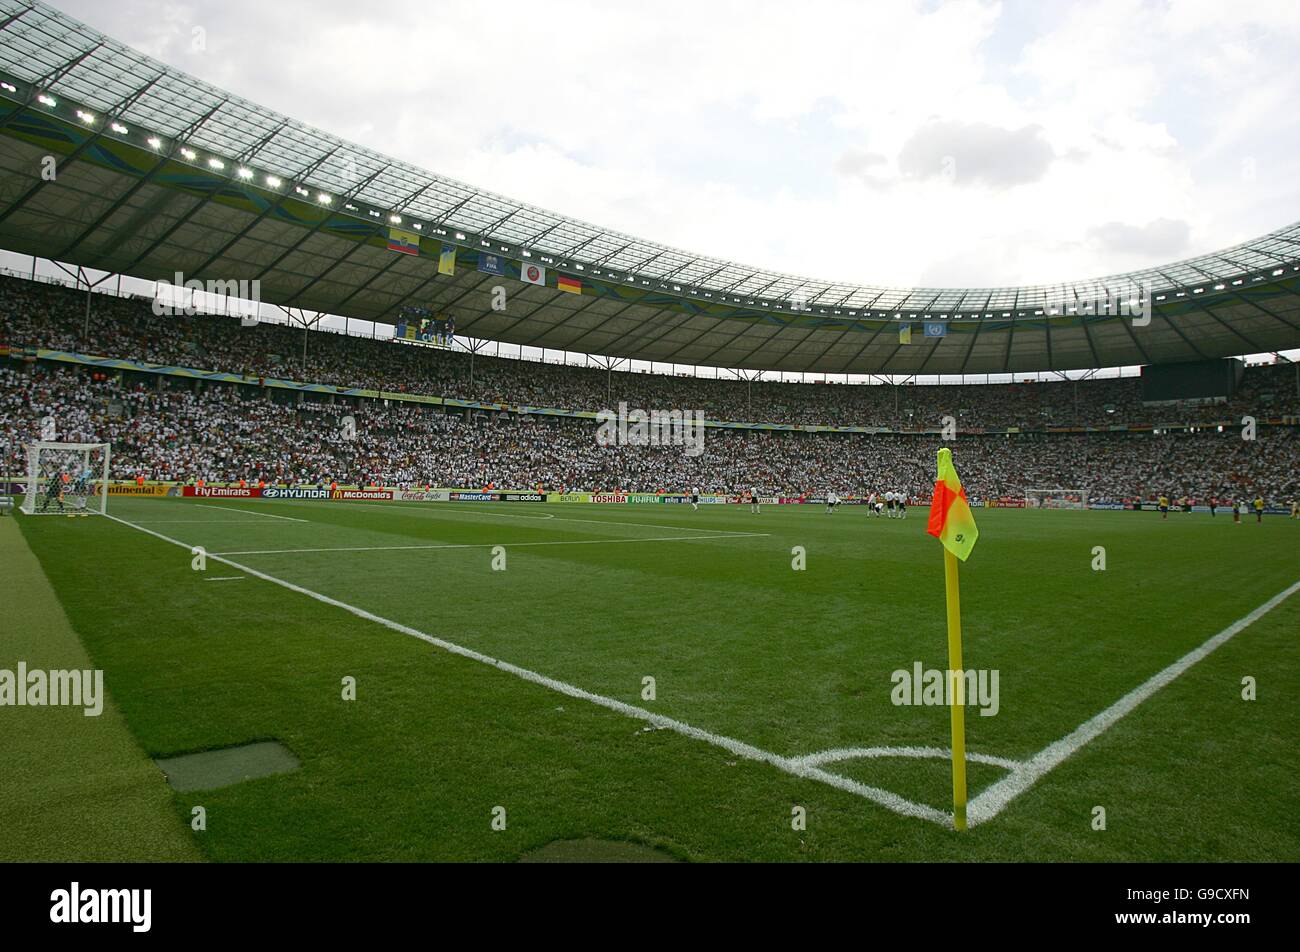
738,643
72,788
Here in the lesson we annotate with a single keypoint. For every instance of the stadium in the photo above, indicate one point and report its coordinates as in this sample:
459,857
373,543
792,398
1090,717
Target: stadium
424,524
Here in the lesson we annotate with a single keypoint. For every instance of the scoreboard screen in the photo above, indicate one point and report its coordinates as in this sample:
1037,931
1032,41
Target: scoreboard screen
1193,380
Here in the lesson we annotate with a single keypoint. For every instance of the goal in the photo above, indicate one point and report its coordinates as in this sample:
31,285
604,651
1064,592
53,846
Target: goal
66,479
1056,498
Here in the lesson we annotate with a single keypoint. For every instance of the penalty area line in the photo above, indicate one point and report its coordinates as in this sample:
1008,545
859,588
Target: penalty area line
251,512
994,799
486,545
790,765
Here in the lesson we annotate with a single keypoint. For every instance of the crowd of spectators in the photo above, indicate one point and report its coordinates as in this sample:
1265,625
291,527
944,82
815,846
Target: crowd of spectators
36,314
183,430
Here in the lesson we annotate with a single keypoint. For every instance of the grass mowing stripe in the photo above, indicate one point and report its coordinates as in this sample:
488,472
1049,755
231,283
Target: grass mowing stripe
740,646
789,765
492,545
72,788
995,799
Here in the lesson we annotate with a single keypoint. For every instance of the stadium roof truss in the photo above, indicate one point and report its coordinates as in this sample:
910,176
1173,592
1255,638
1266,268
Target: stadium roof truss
113,161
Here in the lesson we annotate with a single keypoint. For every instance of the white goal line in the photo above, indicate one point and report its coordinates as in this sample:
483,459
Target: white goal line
995,798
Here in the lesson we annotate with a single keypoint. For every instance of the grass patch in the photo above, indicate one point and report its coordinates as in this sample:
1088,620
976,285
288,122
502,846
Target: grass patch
737,644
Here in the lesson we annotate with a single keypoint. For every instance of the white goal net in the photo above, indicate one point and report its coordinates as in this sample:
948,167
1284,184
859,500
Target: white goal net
1056,498
66,479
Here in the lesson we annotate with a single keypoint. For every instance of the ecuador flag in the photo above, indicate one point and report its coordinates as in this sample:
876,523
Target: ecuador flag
405,242
951,521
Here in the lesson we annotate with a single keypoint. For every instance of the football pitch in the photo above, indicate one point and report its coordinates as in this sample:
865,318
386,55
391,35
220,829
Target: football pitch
698,681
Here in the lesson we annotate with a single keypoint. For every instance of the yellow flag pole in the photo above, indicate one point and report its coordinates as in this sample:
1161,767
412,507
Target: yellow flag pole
956,692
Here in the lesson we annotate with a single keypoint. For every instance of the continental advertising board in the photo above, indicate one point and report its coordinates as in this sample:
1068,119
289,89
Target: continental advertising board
131,489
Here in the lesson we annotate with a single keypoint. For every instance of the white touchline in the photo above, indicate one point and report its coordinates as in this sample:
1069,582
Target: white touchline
488,545
251,512
790,765
995,798
224,578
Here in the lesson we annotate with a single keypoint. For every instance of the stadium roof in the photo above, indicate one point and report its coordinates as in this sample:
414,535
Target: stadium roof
159,173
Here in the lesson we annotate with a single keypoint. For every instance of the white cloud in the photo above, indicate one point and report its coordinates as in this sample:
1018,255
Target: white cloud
782,136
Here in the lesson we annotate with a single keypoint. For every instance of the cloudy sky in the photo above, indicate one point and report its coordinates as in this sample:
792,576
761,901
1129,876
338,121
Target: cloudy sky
882,142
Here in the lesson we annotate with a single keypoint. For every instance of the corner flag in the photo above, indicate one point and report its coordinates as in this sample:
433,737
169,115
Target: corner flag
951,521
952,524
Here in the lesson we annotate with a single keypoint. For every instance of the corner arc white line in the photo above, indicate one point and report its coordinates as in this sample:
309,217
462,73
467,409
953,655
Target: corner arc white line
885,798
862,753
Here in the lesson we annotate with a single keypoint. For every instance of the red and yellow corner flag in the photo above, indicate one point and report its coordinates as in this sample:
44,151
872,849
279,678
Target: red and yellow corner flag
951,521
952,524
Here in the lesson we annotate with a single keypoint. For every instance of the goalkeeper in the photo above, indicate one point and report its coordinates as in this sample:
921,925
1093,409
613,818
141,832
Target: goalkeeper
54,492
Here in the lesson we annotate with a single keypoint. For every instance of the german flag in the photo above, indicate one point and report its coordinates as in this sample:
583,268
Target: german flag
572,285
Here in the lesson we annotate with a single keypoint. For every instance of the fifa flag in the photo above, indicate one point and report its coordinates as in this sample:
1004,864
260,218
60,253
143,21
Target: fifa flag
905,333
572,285
951,521
532,273
447,260
491,264
407,242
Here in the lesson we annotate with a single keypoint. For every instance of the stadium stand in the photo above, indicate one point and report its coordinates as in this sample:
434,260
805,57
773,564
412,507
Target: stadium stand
175,428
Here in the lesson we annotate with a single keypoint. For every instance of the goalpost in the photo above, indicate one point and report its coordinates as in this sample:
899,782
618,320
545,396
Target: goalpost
69,479
1056,498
